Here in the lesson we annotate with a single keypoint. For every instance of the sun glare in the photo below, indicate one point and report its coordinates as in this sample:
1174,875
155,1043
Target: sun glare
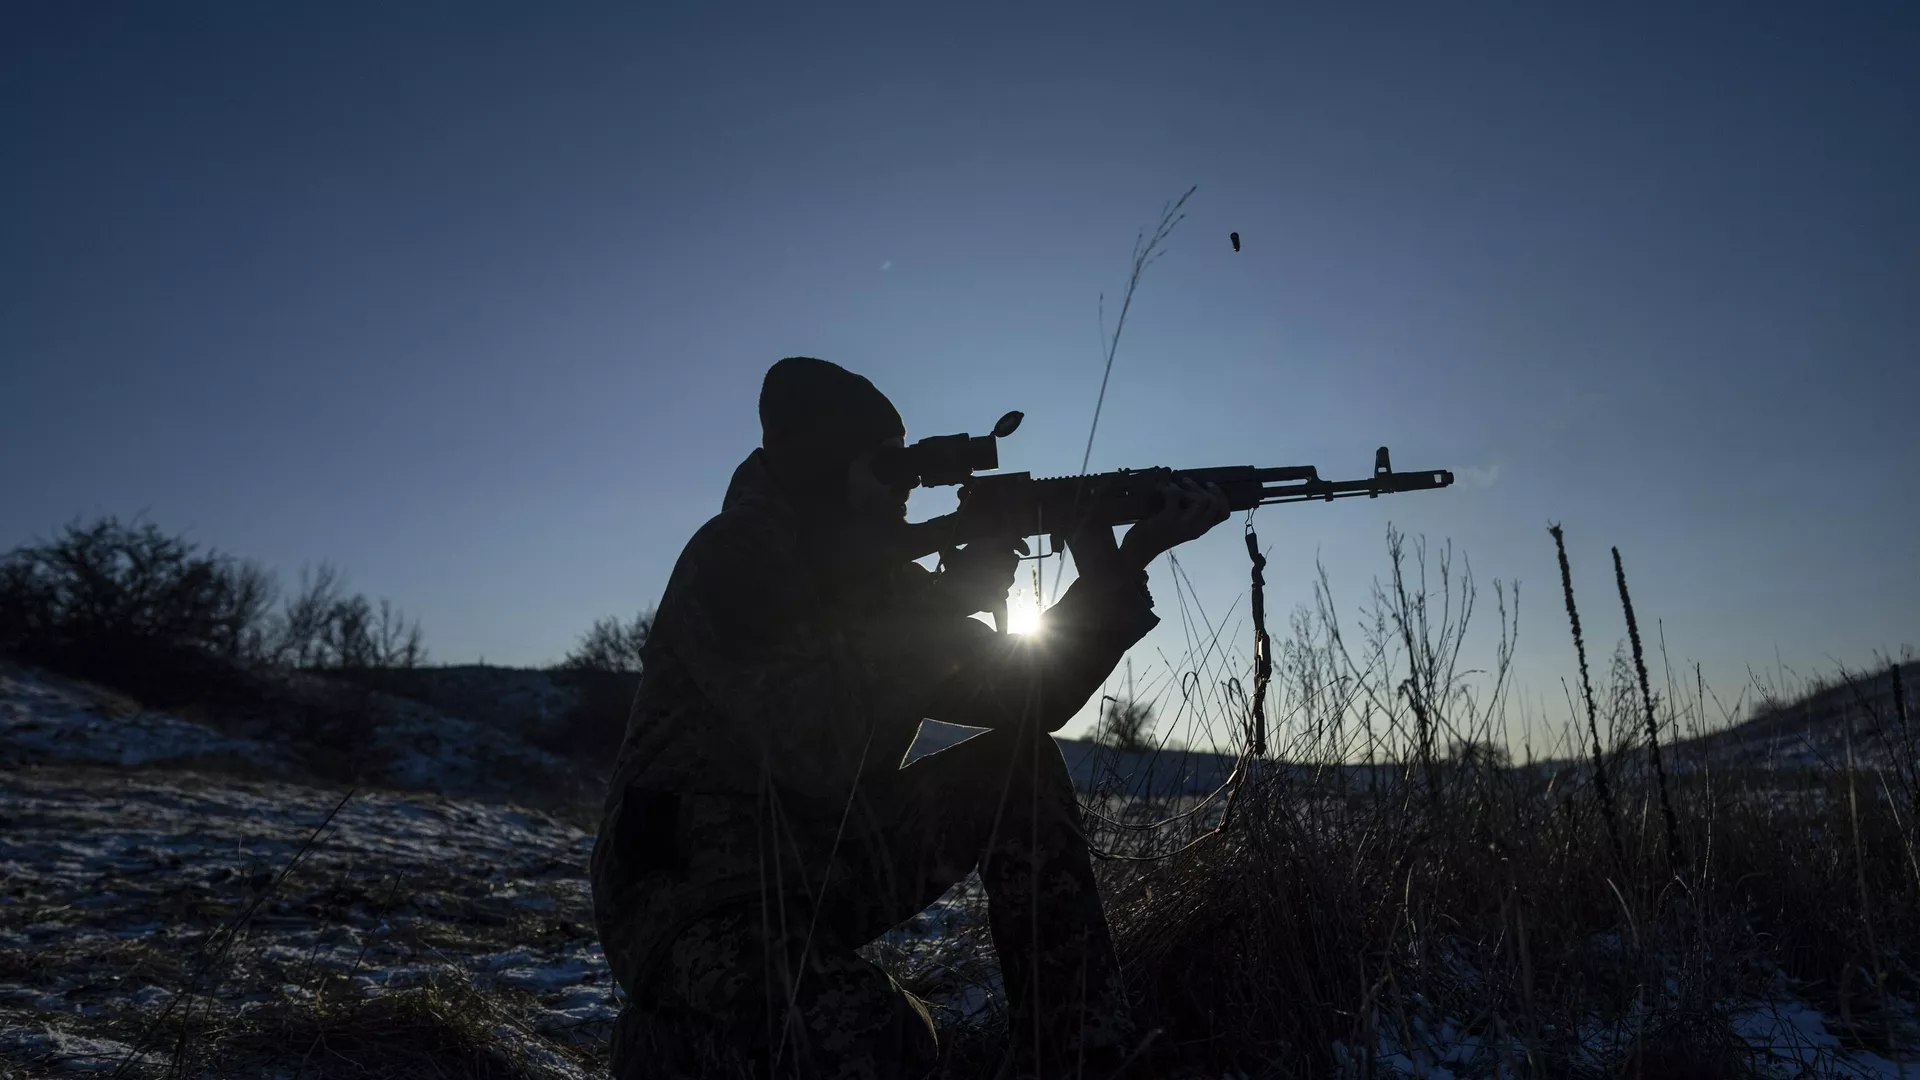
1023,614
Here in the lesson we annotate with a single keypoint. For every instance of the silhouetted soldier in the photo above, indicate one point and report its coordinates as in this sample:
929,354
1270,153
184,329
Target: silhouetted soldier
760,826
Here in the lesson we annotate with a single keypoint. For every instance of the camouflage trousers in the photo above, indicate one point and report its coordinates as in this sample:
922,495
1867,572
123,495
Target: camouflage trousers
773,988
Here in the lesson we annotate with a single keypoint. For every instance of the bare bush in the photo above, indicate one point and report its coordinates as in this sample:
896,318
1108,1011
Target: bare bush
611,645
361,635
117,601
321,627
105,588
1126,725
299,639
1469,754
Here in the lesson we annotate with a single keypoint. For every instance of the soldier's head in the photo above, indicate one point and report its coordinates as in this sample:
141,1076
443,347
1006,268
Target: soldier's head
820,425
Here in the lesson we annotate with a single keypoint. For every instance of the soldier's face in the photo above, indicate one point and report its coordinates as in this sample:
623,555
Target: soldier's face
868,498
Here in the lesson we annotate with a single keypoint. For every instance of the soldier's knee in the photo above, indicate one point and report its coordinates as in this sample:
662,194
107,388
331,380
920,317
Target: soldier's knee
857,1023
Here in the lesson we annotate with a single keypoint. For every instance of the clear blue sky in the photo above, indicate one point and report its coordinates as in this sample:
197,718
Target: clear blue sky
474,299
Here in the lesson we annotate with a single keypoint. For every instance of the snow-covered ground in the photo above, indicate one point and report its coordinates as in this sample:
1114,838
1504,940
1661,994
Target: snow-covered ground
136,875
1794,1040
44,719
1786,1039
116,882
131,853
47,719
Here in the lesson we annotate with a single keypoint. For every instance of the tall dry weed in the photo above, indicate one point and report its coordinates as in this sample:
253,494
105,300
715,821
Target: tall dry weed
1392,892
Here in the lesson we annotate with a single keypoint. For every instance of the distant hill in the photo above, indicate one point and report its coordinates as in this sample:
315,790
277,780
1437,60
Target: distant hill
469,729
1166,773
551,707
298,726
530,734
548,706
1815,729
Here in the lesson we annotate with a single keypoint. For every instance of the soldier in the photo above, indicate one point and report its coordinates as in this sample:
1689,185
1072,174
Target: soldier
760,826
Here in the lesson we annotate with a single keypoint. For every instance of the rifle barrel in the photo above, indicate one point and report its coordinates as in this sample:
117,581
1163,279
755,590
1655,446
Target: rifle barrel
1385,483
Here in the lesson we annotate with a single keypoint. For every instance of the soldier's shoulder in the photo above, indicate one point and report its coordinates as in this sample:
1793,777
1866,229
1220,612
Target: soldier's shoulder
739,532
733,568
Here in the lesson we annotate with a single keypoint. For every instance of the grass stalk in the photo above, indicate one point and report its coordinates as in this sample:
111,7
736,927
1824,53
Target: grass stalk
1601,791
1676,861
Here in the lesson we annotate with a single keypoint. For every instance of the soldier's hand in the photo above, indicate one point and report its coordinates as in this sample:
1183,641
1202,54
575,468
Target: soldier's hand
1096,554
980,574
1189,513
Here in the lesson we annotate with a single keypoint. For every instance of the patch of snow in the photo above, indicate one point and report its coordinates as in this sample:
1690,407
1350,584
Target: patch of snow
527,970
541,1058
148,995
96,853
426,751
398,976
1442,1049
1793,1039
973,1000
45,720
1790,1036
67,1052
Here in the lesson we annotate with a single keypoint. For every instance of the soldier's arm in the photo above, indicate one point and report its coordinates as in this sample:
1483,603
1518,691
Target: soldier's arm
1044,677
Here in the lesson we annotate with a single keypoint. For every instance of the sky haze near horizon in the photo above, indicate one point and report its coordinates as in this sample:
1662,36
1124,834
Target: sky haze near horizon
474,300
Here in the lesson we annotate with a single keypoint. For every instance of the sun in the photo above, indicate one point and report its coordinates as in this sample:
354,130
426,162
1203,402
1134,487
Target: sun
1023,614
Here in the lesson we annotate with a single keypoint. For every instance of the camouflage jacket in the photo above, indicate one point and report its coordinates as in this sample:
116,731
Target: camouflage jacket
764,684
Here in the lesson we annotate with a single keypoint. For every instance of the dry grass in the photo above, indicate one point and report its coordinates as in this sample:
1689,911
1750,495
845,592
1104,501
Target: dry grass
1377,895
445,1030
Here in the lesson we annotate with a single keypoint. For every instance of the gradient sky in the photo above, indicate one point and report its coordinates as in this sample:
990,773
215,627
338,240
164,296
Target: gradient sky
474,299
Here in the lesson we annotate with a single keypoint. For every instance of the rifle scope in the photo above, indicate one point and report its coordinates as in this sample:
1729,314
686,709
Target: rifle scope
942,460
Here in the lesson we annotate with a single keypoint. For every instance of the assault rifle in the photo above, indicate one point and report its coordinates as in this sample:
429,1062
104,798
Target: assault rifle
1007,505
1004,506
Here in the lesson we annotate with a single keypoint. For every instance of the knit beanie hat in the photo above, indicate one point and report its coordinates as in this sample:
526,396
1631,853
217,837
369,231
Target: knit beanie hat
816,417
